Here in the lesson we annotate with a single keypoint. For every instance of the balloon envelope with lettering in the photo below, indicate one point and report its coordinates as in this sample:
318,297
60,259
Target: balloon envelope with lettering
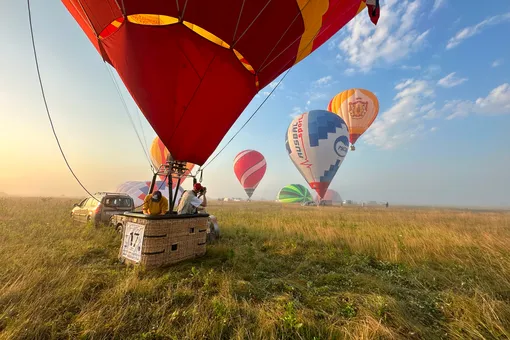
317,143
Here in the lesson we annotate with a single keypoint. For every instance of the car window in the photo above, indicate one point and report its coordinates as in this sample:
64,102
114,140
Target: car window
87,204
92,203
118,202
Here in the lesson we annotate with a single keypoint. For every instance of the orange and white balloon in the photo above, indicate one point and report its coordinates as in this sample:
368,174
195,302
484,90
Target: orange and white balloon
358,108
160,155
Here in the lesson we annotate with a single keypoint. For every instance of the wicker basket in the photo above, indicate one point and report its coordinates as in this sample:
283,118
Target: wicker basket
162,240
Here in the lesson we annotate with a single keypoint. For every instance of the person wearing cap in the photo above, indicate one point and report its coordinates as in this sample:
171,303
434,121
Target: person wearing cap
155,204
191,201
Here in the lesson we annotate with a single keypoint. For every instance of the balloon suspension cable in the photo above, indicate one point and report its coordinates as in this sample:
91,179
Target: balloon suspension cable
172,169
46,103
252,115
126,110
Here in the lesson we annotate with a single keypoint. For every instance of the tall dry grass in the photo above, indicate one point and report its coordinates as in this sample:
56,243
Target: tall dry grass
279,271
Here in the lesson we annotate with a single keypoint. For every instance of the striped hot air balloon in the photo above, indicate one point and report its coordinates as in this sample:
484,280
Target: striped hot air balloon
358,108
294,193
249,167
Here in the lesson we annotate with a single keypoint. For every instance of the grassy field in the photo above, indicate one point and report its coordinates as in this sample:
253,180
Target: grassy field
279,272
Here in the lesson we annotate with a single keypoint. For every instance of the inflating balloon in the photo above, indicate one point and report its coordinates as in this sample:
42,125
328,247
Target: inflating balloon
333,196
139,189
249,167
294,193
192,66
358,108
317,143
160,155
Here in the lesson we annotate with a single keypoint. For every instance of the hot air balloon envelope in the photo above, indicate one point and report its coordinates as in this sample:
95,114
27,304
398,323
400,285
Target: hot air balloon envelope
249,167
193,66
317,143
294,193
139,189
358,108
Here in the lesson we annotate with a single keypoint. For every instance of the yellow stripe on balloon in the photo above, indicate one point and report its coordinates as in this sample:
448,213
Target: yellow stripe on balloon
163,20
311,12
362,6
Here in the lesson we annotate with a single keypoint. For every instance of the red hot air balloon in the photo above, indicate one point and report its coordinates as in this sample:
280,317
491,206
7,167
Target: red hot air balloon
249,167
192,66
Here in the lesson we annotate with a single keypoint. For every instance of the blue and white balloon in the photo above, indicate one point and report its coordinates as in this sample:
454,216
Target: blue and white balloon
317,142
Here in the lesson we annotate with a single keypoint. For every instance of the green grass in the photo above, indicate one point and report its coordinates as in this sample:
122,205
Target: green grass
278,272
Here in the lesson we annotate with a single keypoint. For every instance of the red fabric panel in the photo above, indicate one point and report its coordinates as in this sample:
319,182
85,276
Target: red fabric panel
340,12
76,11
253,180
162,66
218,17
161,7
320,188
265,34
100,12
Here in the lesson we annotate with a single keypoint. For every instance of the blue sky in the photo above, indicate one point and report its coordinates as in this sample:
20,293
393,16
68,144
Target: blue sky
441,71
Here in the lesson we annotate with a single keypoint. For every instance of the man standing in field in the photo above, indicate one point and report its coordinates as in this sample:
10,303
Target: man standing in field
191,202
155,204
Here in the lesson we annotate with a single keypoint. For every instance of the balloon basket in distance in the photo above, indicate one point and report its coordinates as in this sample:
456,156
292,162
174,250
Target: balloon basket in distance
158,241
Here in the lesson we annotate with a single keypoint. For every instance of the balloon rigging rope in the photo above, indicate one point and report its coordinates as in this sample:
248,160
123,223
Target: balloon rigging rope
126,109
46,103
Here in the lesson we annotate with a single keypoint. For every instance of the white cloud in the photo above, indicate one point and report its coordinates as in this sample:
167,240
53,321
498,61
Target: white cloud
404,84
497,102
451,81
433,129
457,108
412,68
427,107
404,120
497,63
394,38
470,31
296,111
438,4
350,71
323,82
